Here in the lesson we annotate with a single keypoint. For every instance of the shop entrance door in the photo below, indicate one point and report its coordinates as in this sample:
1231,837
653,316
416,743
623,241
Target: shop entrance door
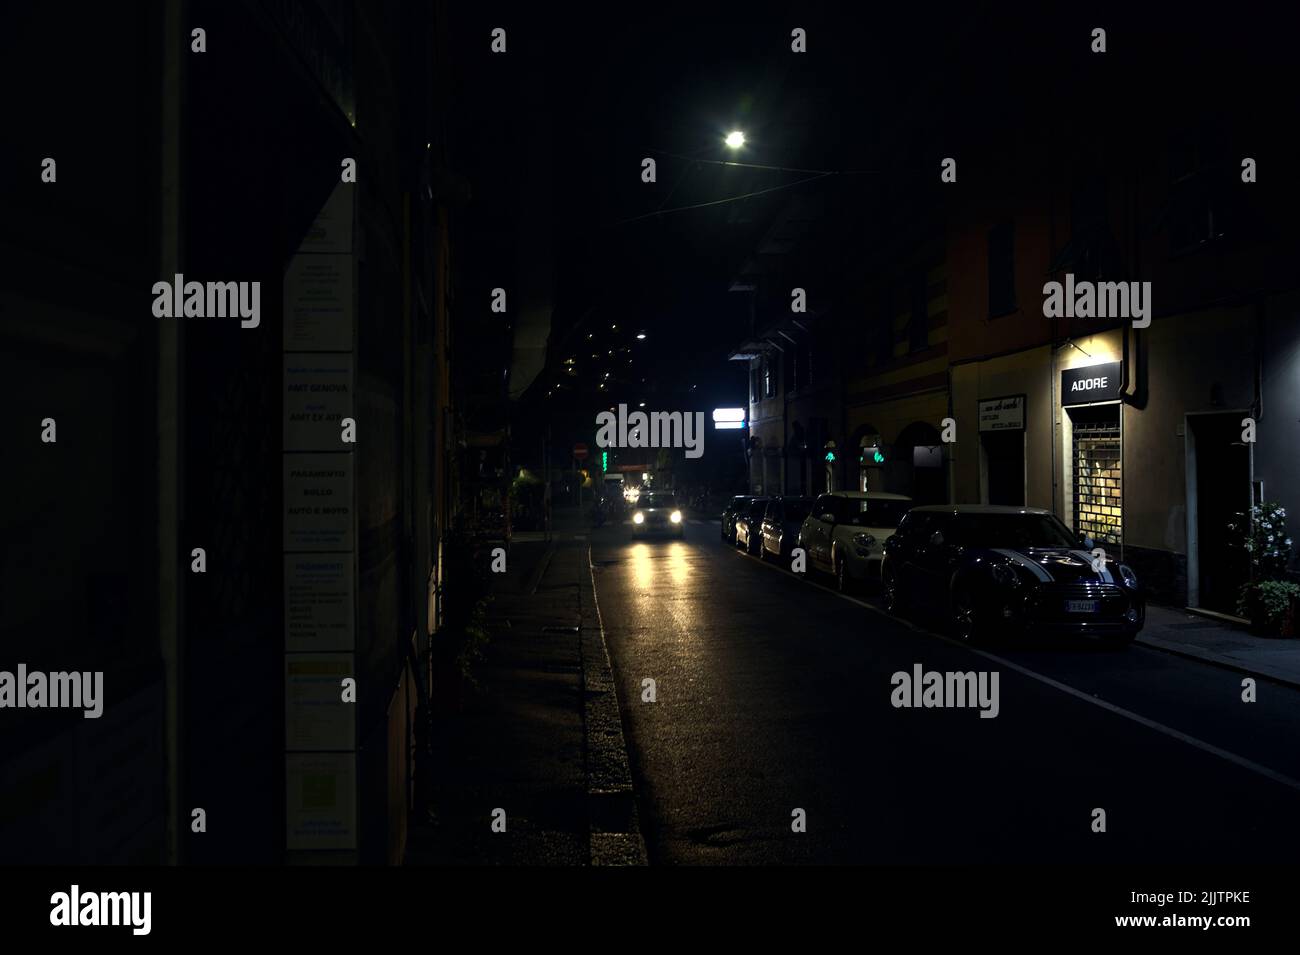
1098,484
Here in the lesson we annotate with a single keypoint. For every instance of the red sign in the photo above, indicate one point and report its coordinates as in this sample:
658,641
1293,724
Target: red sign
580,451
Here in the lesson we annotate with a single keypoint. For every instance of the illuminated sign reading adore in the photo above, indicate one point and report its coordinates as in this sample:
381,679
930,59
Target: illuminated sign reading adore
1100,382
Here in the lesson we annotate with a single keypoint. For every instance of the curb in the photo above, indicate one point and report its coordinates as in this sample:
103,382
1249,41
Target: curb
1217,661
535,578
611,804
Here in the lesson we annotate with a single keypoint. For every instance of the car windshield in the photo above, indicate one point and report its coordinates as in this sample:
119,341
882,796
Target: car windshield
658,500
1012,530
757,508
871,512
796,509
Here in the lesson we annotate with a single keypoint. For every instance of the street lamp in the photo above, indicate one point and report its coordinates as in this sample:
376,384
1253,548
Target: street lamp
735,139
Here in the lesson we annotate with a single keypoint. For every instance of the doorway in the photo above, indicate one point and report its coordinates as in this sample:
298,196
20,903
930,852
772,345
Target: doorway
1222,495
1097,485
1004,467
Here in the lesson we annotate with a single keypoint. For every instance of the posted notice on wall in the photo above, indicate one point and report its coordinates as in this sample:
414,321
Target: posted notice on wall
318,311
1002,414
317,397
320,800
318,502
316,717
319,602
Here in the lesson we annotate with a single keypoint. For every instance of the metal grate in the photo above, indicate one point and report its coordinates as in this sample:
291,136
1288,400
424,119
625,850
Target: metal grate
1098,487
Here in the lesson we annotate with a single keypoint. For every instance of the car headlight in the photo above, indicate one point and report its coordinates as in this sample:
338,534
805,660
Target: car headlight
675,517
864,542
638,518
1130,578
1004,575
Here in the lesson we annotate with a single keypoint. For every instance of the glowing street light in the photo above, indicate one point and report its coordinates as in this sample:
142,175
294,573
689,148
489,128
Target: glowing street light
735,139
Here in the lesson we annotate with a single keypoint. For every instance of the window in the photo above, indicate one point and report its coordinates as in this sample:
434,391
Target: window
916,526
1088,228
1200,209
1098,498
1002,270
769,379
918,326
796,509
1194,214
802,365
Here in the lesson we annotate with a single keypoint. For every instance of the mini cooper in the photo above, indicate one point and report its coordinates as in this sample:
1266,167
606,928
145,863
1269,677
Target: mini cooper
1009,569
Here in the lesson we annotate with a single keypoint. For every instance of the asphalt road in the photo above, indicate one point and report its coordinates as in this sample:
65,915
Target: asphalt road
773,694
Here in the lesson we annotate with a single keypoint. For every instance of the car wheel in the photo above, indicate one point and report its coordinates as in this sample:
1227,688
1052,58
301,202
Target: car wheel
965,618
889,585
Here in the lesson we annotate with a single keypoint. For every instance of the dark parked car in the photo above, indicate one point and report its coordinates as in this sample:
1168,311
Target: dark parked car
729,514
656,512
749,525
1017,569
781,522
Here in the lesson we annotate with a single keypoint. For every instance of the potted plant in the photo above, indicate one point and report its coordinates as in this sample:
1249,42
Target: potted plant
1269,600
1270,606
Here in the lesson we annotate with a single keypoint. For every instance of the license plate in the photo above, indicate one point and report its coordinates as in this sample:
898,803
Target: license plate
1082,606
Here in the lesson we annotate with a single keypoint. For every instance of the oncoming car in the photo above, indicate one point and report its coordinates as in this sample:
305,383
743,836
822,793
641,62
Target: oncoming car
992,568
656,512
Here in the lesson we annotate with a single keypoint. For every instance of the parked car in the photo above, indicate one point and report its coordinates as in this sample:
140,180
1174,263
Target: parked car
656,512
781,522
1017,569
729,514
845,533
749,525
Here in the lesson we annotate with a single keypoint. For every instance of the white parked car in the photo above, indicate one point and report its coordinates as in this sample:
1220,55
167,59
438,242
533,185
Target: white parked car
846,532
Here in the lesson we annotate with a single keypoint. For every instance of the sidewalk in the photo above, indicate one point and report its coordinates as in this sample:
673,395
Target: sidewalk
522,740
1221,643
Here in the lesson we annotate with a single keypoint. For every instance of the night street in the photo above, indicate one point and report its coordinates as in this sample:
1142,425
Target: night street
773,693
473,467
